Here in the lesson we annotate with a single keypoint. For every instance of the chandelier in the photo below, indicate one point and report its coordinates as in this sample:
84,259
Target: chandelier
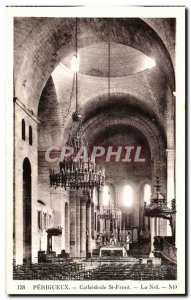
112,212
82,172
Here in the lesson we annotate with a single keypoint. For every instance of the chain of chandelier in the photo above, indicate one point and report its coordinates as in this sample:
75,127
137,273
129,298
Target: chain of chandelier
82,173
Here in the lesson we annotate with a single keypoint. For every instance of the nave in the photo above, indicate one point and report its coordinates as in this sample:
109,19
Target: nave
94,165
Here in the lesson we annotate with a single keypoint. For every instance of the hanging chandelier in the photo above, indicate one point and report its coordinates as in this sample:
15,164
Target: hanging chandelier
111,213
82,172
74,174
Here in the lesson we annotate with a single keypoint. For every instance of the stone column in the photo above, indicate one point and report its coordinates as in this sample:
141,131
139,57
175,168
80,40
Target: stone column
152,224
170,174
67,228
83,227
107,226
170,180
63,237
89,227
92,220
78,225
101,202
156,226
72,223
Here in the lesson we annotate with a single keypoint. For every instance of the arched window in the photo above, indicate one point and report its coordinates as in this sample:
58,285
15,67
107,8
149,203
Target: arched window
30,135
147,193
23,129
45,220
128,196
39,220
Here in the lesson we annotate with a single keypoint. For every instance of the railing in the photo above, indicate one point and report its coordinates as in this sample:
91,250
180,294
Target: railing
169,251
165,248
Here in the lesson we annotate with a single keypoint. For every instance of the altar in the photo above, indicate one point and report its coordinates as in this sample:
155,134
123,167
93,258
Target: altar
113,251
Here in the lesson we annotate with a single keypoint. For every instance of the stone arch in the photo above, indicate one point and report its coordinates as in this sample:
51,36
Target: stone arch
47,53
151,133
125,110
100,104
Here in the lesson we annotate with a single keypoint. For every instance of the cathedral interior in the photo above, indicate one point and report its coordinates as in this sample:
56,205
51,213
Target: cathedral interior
105,83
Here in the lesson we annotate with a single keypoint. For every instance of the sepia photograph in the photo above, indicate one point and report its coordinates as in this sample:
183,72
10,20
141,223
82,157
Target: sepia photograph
96,201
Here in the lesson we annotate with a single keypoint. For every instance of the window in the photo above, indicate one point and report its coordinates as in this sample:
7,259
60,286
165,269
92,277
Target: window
39,220
23,129
30,135
147,193
128,196
45,220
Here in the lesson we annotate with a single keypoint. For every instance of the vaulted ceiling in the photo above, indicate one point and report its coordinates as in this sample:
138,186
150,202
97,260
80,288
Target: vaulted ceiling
42,44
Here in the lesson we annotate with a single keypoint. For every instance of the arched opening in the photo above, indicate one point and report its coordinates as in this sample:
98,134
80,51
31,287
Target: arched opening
66,228
128,196
147,193
23,129
27,193
30,135
39,220
45,221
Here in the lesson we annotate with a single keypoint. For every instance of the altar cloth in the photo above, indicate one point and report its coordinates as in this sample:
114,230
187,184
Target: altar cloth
113,251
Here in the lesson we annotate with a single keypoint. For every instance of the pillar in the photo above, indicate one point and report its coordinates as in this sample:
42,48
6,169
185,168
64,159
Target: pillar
89,227
152,224
101,204
92,220
72,223
157,226
78,225
170,174
63,237
67,228
170,180
83,226
49,243
107,226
